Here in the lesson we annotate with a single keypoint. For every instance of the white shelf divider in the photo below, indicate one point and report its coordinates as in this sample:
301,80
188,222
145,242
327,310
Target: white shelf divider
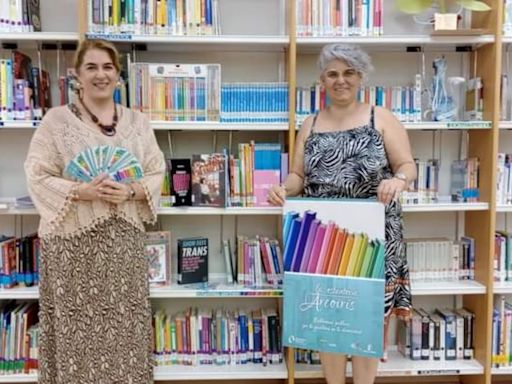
39,36
20,378
438,288
504,208
450,125
216,126
19,293
209,42
220,211
502,288
398,365
221,372
502,371
19,124
217,291
445,207
395,41
206,211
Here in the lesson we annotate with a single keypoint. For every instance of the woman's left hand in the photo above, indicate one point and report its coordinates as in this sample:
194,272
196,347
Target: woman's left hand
114,192
389,189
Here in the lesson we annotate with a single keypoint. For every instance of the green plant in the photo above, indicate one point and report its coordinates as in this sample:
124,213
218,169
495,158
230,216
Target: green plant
418,6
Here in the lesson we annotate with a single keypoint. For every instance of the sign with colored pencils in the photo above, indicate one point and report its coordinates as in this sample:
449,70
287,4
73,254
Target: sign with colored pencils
334,275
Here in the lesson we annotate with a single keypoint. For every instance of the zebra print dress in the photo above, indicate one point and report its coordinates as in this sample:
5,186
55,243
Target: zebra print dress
351,164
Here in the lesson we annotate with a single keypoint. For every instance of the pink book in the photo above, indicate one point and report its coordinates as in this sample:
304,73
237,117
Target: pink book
264,180
309,245
325,246
317,246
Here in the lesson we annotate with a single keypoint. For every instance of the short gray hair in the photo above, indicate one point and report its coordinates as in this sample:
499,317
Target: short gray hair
354,56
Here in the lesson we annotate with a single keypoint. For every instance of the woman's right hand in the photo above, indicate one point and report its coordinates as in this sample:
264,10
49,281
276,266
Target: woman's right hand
276,195
90,191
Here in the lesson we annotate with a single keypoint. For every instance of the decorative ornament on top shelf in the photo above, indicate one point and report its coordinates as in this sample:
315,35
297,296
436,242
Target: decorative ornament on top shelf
444,15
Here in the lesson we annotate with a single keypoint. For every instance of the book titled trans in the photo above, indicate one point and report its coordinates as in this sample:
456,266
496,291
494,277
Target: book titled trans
334,275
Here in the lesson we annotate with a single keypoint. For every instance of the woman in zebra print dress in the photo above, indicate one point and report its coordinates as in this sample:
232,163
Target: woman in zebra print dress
353,150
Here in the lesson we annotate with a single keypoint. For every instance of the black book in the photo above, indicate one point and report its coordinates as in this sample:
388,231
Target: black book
192,260
181,187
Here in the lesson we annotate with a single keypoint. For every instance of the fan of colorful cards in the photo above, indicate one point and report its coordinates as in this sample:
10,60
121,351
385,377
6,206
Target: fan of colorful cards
117,162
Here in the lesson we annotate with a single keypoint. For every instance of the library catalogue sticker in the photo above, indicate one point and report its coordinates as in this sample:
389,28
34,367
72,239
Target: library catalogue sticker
334,275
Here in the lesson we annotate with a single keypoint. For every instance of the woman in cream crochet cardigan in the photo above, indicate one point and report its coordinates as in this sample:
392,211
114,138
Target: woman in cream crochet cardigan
95,316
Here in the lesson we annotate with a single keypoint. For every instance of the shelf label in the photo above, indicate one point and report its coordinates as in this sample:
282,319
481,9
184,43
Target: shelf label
110,36
468,124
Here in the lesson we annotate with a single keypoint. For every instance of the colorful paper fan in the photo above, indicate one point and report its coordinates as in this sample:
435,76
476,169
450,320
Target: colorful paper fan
117,162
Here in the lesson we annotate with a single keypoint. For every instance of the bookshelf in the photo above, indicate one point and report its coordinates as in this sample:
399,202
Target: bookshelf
275,53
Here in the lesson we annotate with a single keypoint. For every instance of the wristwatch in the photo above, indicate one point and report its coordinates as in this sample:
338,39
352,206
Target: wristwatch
401,176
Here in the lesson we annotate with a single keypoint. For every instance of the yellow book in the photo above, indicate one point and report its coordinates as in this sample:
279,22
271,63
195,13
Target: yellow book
345,258
360,256
365,260
358,241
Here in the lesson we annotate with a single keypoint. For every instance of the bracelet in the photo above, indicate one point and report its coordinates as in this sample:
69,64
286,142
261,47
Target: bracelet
73,193
401,176
132,193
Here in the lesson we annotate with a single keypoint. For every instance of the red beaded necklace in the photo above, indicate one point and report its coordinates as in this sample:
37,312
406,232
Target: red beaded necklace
107,130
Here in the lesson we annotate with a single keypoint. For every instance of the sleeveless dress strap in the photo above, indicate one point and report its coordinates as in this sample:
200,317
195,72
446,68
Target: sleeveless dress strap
314,122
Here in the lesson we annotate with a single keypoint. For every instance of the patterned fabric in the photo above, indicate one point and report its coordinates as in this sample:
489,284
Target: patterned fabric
58,139
95,315
351,164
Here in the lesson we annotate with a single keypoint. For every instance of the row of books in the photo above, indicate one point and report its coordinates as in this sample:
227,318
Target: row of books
219,337
19,338
324,248
504,179
464,176
502,260
340,17
404,102
507,17
255,262
502,333
19,261
24,89
176,92
425,189
444,334
168,17
20,16
254,103
220,179
440,259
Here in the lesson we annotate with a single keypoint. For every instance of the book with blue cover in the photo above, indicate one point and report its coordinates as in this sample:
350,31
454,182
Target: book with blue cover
334,302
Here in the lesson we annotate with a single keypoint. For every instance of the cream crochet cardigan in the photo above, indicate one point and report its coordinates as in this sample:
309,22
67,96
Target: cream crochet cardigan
60,136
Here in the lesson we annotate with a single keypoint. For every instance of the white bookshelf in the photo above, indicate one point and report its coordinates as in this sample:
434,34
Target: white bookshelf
41,37
265,211
445,207
20,378
394,42
502,288
219,290
222,372
20,293
398,365
181,373
19,124
209,42
504,208
505,124
213,126
451,125
502,371
267,127
440,288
